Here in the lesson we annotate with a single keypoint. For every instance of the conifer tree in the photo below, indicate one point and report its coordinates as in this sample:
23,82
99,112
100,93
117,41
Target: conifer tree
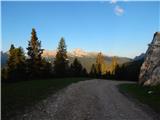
11,60
84,72
76,68
61,60
16,63
93,71
10,64
34,61
4,74
46,69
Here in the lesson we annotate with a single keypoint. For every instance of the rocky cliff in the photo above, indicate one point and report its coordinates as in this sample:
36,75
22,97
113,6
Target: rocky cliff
150,70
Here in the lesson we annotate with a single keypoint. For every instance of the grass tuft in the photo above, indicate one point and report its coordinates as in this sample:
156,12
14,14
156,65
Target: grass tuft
17,96
145,94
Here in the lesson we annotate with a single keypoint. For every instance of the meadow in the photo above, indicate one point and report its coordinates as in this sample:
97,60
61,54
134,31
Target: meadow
16,97
149,95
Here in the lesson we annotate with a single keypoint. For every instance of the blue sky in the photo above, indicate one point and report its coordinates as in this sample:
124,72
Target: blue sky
120,28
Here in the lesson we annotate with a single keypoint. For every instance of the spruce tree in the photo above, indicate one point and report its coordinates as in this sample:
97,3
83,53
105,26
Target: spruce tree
11,63
34,61
93,71
76,68
46,69
20,61
11,60
61,60
84,72
16,63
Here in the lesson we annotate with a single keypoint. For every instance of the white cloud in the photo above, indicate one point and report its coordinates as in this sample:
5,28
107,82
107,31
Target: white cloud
119,10
113,1
125,0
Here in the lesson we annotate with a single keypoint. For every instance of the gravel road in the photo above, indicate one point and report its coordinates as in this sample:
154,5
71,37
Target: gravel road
89,100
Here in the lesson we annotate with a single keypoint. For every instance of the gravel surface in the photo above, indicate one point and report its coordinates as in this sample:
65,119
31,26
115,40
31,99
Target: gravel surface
89,100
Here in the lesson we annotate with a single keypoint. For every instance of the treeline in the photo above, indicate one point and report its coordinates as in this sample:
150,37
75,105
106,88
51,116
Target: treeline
127,71
33,66
103,70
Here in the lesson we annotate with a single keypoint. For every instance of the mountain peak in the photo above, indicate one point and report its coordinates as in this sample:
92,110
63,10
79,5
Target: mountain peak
49,53
78,52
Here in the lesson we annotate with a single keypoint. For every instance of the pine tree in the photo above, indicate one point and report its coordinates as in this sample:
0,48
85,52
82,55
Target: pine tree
16,63
46,69
76,68
34,61
84,72
4,74
11,49
93,71
20,60
61,60
11,61
7,73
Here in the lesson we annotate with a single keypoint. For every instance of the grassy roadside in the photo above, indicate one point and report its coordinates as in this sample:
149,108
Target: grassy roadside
17,96
146,95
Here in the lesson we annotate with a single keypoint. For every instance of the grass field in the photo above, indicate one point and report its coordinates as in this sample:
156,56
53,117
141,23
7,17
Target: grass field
146,95
17,96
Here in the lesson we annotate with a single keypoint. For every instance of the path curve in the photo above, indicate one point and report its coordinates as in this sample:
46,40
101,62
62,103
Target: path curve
89,100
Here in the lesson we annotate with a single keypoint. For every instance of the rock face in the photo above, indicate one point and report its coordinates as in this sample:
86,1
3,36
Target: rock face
150,70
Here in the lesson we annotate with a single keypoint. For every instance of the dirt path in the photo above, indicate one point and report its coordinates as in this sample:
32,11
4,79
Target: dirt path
89,100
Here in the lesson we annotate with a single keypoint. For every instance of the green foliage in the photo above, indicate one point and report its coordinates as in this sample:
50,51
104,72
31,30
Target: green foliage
17,96
129,71
126,71
4,74
62,48
61,61
93,71
36,67
76,69
45,69
147,95
84,72
87,61
15,69
34,61
34,47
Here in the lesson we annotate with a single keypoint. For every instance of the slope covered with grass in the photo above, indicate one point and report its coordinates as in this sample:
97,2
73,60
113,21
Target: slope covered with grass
17,96
146,95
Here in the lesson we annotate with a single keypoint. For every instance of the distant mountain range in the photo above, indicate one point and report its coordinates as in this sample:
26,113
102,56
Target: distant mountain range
140,57
75,53
86,58
4,58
